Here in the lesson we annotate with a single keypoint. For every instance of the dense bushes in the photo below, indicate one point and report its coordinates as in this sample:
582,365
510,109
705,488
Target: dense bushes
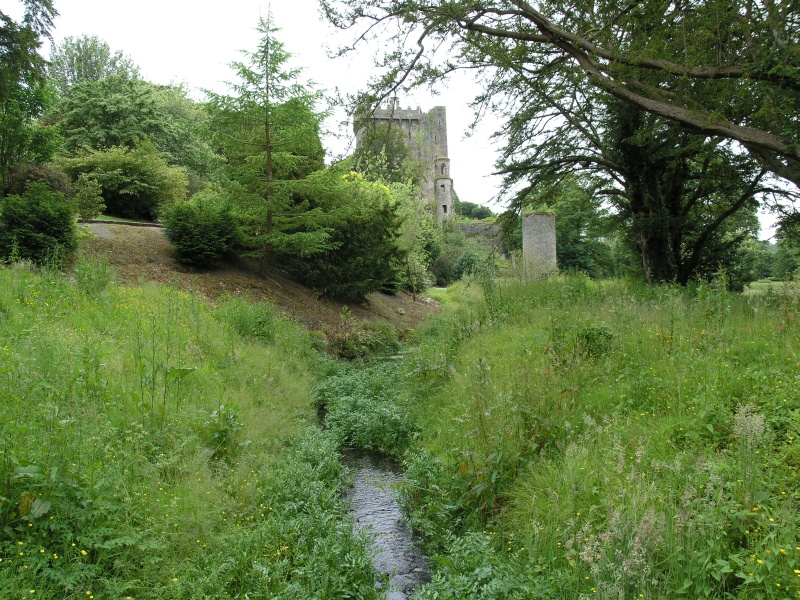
136,183
362,229
458,258
38,225
201,230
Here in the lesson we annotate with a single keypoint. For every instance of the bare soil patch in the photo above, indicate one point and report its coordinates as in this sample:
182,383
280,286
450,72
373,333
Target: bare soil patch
142,254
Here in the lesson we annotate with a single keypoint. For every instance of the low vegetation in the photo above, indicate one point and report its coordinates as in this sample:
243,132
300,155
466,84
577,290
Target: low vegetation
605,440
153,446
578,439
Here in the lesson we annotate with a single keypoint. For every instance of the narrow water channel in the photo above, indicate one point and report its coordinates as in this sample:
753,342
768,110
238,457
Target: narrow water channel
376,510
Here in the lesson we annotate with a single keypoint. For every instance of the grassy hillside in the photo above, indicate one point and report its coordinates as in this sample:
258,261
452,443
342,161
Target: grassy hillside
563,439
155,446
603,440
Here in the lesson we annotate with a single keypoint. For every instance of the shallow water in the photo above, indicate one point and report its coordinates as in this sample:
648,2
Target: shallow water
376,510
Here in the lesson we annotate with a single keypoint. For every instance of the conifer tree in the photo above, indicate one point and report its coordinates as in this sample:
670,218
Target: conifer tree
268,131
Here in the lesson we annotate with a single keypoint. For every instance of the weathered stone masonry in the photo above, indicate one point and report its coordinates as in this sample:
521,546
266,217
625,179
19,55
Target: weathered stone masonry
426,138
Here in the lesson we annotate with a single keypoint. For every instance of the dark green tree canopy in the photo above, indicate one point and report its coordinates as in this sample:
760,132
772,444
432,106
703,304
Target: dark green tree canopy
22,88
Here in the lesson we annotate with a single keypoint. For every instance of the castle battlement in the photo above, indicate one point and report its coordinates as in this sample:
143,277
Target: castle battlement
425,135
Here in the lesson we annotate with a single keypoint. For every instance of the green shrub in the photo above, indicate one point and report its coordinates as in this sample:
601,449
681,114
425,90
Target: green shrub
38,226
458,257
467,264
136,183
201,230
362,243
88,197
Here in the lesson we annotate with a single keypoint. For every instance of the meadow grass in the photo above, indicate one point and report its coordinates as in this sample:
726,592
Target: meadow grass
588,439
155,446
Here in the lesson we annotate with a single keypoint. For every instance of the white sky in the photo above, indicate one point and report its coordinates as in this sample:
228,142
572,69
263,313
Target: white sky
180,41
176,41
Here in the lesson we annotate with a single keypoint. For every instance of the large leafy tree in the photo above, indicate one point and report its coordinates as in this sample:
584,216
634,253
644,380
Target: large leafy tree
22,88
676,195
268,132
86,58
112,111
722,68
120,111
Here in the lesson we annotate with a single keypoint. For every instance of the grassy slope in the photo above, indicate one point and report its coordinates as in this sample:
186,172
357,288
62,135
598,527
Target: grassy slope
589,440
154,446
143,254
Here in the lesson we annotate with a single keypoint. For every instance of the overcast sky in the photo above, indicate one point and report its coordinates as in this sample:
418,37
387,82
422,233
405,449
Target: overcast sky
182,41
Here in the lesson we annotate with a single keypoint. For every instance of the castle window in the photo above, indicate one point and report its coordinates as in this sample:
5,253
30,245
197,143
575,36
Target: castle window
442,169
434,138
444,208
442,186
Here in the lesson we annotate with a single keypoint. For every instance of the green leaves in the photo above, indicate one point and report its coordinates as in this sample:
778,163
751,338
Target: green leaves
39,226
135,183
87,58
202,230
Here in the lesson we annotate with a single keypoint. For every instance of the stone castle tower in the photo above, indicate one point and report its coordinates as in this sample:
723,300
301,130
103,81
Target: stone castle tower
425,134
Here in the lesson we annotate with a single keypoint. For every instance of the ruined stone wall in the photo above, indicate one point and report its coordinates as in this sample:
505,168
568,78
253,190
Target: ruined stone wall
486,235
426,138
539,243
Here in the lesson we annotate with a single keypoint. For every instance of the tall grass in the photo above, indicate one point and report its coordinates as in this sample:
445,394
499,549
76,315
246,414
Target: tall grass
153,446
607,440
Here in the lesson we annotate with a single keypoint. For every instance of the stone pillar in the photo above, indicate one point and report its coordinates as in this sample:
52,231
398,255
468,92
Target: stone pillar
539,244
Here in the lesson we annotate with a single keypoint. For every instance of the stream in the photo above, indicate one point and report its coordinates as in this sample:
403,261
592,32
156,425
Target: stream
376,510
